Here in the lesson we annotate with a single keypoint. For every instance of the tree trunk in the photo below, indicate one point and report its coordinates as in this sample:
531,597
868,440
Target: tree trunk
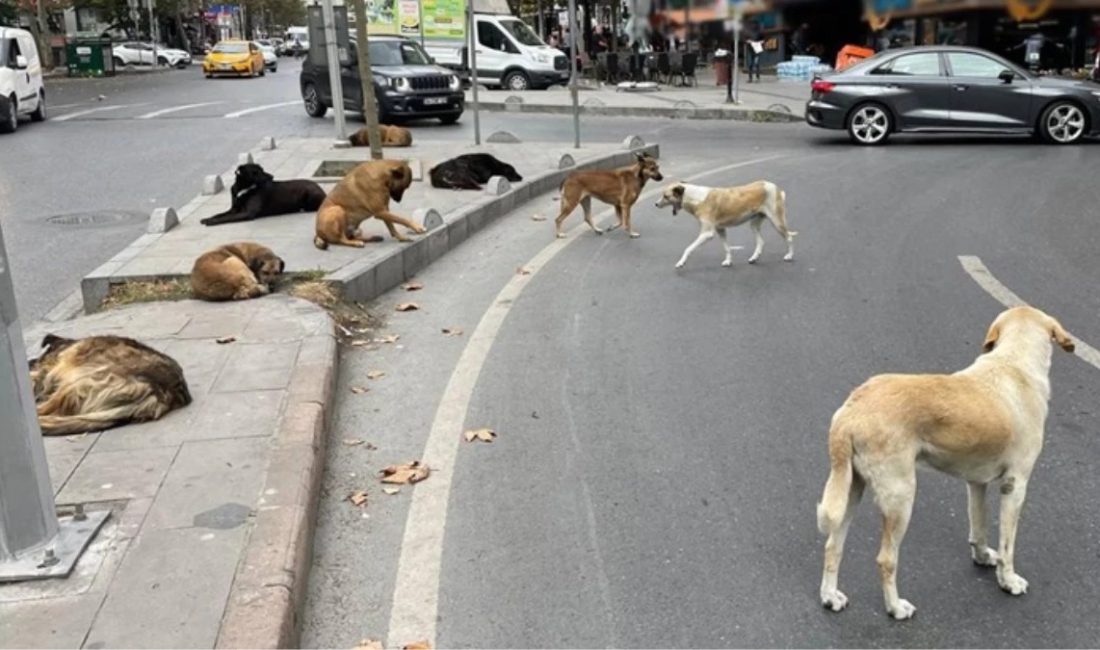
40,30
366,78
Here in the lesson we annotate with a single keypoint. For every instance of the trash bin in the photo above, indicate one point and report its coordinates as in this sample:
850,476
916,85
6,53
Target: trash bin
722,67
89,57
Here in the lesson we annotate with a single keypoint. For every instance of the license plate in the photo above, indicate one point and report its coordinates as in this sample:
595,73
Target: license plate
224,66
434,101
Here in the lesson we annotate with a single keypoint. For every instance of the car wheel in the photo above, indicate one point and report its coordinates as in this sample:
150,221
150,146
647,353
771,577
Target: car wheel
516,80
1063,123
450,119
39,114
274,68
162,61
9,115
119,63
870,124
312,101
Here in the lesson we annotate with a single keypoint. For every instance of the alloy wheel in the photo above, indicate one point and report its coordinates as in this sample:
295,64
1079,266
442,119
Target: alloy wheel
870,125
1066,123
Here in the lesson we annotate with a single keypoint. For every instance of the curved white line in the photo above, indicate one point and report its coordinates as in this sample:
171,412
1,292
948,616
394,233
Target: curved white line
257,109
416,588
175,109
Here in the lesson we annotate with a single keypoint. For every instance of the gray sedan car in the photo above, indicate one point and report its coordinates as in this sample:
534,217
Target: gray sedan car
951,89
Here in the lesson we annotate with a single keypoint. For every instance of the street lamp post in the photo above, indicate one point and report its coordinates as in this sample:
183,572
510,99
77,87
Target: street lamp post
573,73
471,50
329,19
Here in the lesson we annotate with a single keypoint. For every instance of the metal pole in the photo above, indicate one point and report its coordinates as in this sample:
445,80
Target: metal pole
471,50
33,543
152,34
573,73
334,71
420,19
735,72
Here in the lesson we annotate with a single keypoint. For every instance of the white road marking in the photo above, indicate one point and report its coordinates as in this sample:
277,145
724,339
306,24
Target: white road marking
1002,294
175,109
89,111
257,109
416,589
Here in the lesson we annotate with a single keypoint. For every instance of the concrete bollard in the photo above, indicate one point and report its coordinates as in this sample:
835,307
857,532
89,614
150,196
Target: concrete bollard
212,185
513,103
162,220
268,143
417,168
566,161
245,159
427,217
503,137
498,185
633,142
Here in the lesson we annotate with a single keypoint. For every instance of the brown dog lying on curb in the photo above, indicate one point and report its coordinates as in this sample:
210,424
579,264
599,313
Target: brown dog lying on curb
983,424
101,382
392,136
619,188
236,271
365,192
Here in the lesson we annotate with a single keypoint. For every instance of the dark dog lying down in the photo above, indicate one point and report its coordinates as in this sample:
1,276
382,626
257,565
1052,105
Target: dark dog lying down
469,171
257,194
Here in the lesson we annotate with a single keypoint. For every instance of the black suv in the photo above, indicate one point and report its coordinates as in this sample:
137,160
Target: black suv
407,84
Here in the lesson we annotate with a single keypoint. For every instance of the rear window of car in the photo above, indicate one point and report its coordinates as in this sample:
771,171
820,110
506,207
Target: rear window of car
920,64
231,48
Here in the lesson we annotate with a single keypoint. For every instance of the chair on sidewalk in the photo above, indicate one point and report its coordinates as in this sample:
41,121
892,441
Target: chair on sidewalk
607,66
663,68
690,60
676,67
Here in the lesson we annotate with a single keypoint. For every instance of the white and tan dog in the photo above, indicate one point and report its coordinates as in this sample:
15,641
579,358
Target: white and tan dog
718,208
982,424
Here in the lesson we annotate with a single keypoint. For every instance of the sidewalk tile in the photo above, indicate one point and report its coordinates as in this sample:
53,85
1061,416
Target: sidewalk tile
64,453
110,475
213,484
201,360
51,623
259,366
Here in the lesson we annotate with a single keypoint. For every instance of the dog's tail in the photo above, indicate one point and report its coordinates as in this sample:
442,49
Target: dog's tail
781,210
835,500
150,407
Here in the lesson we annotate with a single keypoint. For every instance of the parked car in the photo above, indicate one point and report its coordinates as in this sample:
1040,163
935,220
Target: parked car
951,89
407,83
271,59
240,58
279,45
21,89
136,53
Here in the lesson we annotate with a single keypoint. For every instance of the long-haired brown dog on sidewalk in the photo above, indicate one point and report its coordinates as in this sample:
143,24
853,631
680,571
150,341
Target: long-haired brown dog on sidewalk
619,188
100,382
982,424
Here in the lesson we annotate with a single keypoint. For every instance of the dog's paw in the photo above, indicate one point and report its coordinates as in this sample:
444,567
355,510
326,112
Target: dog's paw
789,257
420,230
560,235
902,610
263,290
834,601
635,235
679,265
752,260
1012,583
727,262
984,556
205,222
357,243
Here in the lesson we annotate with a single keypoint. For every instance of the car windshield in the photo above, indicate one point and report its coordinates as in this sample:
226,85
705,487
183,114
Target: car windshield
521,32
231,48
386,53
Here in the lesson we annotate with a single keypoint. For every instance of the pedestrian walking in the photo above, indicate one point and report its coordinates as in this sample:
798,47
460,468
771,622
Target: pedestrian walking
754,48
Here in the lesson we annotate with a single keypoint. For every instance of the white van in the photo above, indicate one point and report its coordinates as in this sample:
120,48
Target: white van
509,55
21,90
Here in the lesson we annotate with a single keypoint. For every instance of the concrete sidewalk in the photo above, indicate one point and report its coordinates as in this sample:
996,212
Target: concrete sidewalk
211,506
766,101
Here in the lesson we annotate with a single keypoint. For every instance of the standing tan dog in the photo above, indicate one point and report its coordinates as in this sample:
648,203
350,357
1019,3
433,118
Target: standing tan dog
101,382
235,272
392,136
365,192
982,424
619,188
719,208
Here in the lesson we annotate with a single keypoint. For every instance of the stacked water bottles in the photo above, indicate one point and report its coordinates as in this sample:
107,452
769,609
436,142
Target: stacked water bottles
801,68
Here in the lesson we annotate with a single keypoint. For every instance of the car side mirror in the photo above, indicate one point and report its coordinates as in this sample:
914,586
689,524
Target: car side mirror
1007,76
20,62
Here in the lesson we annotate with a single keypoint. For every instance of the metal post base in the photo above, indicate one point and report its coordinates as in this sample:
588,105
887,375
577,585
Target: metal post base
56,559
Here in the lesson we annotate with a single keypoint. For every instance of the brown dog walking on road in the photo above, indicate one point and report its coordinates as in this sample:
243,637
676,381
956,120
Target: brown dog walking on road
236,271
619,188
365,192
100,382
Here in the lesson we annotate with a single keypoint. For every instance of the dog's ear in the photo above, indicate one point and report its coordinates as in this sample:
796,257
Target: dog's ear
282,264
992,336
1060,336
678,191
50,340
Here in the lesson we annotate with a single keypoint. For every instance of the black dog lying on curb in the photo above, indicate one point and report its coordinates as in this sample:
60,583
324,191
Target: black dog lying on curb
257,194
469,171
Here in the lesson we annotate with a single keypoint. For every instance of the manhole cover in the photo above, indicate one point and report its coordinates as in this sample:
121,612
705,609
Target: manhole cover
100,218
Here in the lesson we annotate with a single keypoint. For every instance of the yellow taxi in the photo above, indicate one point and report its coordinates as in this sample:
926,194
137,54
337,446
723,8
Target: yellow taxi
234,57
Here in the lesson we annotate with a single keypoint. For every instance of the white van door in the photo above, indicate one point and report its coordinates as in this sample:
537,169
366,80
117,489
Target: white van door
32,75
495,52
24,94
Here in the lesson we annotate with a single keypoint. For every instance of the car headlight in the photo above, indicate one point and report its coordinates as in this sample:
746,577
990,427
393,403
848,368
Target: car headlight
542,57
400,84
1096,94
455,82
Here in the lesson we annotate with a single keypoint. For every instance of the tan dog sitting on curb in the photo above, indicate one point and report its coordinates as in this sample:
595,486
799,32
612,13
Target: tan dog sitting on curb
236,271
365,192
619,187
392,136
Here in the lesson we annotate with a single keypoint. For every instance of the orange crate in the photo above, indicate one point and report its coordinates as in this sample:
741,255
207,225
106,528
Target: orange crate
850,54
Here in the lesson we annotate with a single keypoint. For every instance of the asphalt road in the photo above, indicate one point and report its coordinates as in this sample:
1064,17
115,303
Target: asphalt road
662,433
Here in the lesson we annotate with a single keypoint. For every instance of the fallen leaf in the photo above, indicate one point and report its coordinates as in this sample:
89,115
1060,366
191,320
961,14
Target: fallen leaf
417,645
359,343
371,447
370,644
484,435
359,390
537,217
389,338
522,271
351,442
391,491
452,331
375,374
407,306
412,286
358,498
411,472
225,339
